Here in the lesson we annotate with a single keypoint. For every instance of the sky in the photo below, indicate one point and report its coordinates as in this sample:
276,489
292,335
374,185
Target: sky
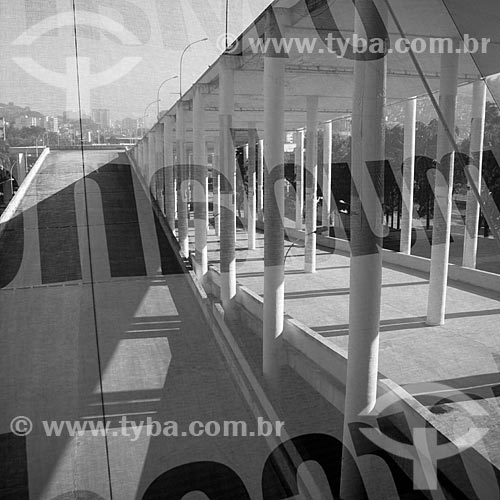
126,49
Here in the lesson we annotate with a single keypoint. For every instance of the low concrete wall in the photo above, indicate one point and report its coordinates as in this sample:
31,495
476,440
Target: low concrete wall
324,367
23,188
463,275
89,147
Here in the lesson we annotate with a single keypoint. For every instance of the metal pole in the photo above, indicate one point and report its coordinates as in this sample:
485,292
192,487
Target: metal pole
158,94
180,62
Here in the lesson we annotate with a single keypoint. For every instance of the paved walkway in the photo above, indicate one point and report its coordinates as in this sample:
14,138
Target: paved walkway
96,338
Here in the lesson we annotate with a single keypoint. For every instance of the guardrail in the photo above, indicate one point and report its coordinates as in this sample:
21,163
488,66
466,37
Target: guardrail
23,188
90,147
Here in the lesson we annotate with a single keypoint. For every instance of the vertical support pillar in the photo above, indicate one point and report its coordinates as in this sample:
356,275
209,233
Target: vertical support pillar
216,187
274,276
21,169
169,161
159,171
311,178
207,204
182,208
408,181
252,206
443,191
367,168
227,179
144,169
200,175
152,161
299,175
476,155
327,175
140,163
260,180
189,156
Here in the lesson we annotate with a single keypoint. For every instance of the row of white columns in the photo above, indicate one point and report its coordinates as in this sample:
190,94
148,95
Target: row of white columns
267,161
367,164
157,149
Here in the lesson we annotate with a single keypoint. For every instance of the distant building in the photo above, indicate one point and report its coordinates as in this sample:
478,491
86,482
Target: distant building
71,115
31,119
52,124
101,117
130,126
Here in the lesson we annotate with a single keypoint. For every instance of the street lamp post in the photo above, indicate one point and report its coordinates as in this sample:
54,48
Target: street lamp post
180,63
227,19
158,93
144,116
36,143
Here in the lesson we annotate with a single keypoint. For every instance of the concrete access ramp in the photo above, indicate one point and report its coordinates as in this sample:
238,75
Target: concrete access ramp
99,324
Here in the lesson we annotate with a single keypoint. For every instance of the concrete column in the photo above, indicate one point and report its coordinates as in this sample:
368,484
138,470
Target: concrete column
443,191
144,144
476,156
189,156
207,200
299,175
274,277
252,205
21,170
200,179
182,185
140,155
144,169
260,180
152,161
169,162
216,187
159,171
407,183
227,184
311,178
327,175
368,125
176,176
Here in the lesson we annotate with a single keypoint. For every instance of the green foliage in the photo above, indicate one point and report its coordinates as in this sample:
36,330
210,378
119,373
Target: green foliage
25,136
